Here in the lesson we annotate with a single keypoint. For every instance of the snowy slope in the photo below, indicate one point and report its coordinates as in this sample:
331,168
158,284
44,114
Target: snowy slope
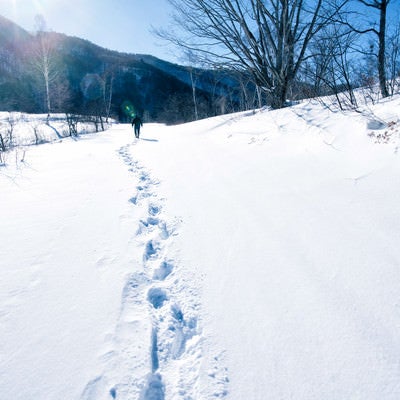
292,218
248,256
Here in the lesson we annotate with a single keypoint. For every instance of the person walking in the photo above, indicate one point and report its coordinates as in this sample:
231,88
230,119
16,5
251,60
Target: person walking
137,123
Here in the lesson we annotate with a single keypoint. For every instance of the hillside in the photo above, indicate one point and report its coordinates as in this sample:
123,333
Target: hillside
246,256
85,76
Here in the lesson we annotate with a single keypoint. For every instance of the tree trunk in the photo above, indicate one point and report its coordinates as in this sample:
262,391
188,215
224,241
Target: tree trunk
279,95
196,114
381,52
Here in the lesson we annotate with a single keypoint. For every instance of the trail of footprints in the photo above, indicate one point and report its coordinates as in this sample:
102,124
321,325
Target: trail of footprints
161,300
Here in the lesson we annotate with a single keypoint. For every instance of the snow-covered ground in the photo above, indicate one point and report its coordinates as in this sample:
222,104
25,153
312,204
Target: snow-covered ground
249,256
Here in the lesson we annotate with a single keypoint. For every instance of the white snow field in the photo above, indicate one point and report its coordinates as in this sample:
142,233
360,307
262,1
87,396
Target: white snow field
250,256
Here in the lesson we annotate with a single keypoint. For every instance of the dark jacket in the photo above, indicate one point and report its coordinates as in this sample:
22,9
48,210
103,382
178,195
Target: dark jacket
137,121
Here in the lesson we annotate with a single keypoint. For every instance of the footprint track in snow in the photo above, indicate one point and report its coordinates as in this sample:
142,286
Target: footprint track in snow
170,330
168,295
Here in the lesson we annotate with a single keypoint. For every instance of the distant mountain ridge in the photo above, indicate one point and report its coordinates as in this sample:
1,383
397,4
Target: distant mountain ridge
91,79
11,32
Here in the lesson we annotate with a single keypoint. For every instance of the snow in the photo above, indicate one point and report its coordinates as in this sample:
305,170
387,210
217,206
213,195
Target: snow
247,256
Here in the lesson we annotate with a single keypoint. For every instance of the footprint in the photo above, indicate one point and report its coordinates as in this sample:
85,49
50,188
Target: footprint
179,343
154,389
113,393
177,312
163,271
150,221
150,250
154,210
164,232
157,297
183,331
144,177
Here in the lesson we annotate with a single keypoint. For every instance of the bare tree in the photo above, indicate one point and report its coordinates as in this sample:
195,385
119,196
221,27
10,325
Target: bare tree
330,71
72,121
381,6
7,128
393,58
108,93
3,141
268,39
44,61
35,124
12,121
193,79
106,86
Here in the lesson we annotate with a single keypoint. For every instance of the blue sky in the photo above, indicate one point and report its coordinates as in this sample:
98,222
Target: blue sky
121,25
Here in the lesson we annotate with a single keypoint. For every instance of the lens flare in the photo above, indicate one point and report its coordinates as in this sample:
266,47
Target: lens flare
128,109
